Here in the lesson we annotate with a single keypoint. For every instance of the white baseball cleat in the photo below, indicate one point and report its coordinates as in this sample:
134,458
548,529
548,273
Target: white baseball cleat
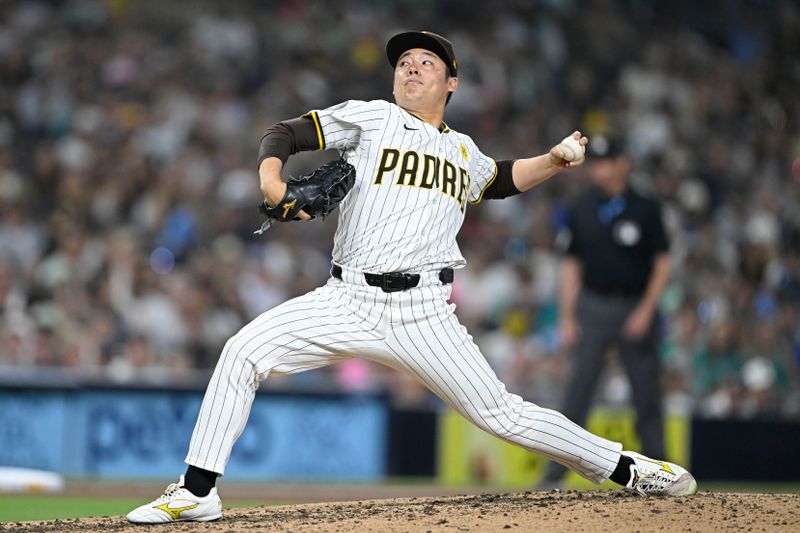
177,504
651,477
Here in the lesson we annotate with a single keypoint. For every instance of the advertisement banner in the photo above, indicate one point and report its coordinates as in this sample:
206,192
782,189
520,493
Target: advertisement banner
31,430
125,434
469,456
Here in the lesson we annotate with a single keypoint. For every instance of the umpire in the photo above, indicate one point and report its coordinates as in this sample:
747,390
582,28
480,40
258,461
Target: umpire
614,272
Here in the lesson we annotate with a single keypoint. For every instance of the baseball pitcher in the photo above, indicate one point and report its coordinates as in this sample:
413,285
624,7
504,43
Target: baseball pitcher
404,183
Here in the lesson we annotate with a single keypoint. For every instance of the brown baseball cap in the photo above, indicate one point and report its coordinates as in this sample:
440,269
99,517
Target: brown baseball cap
426,40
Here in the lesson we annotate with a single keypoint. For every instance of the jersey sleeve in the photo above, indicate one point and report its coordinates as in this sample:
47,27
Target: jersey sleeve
342,126
572,247
660,240
484,171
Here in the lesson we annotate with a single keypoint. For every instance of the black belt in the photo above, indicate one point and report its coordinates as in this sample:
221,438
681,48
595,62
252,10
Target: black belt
395,281
616,292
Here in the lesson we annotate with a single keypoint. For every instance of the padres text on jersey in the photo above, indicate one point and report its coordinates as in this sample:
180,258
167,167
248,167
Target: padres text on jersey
403,167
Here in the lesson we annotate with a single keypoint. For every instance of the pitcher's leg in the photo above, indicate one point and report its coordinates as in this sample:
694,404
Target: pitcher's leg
308,332
441,354
586,366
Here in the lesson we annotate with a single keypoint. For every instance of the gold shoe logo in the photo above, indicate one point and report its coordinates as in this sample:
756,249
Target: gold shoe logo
288,207
175,512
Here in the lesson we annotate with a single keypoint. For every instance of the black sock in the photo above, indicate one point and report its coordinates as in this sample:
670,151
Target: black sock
622,474
198,481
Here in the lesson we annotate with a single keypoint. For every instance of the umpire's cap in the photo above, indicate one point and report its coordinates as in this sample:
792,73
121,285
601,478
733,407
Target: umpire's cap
606,147
426,40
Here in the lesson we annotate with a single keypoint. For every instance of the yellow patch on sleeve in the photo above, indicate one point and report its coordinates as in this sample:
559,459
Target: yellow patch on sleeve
464,152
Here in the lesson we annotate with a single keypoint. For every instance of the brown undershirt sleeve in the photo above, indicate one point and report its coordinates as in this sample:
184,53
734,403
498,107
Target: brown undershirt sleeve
291,136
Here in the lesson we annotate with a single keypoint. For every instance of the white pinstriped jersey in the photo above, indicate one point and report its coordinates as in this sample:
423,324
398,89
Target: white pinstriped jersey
412,186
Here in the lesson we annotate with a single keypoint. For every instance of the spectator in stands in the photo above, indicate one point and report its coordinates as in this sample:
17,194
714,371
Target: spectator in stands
124,147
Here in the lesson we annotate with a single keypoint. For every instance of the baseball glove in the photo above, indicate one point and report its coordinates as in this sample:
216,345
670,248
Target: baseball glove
317,193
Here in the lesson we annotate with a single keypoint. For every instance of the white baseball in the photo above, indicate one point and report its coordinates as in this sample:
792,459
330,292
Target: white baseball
571,148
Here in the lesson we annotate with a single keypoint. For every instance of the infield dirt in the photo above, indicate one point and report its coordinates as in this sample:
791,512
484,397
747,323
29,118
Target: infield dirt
552,512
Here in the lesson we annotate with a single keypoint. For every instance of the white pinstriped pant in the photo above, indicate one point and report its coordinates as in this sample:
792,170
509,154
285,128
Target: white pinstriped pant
415,331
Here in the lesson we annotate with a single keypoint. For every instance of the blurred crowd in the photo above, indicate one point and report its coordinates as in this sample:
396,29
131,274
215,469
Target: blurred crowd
128,189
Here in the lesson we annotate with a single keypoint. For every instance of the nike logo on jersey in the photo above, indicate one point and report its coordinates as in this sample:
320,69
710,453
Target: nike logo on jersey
175,512
424,171
410,129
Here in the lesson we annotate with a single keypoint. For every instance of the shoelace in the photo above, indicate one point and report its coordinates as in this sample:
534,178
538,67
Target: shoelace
656,482
172,489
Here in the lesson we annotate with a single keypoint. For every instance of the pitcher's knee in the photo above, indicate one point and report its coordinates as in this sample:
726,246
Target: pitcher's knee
257,351
506,429
237,350
498,423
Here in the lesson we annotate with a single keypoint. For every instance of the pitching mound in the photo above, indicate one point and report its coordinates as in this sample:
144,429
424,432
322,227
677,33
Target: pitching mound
530,511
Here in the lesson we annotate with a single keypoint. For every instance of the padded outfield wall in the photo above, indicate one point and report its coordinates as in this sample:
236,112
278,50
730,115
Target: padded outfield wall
109,433
101,433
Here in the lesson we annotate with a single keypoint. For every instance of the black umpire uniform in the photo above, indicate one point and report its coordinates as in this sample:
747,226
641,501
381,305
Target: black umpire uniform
614,271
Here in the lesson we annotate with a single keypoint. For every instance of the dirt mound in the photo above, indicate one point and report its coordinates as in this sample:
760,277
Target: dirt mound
530,511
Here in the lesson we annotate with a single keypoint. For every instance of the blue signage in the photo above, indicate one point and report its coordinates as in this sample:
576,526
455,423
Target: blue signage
114,434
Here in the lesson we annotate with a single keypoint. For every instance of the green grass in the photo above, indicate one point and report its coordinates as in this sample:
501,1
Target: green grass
20,508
